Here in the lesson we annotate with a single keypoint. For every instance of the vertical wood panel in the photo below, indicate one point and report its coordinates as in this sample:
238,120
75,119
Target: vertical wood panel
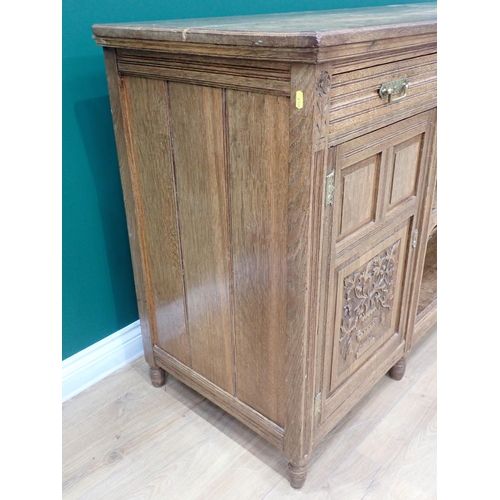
306,182
123,147
426,184
147,110
200,169
258,159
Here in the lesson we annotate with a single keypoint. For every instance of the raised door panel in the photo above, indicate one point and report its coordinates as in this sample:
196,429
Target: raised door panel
380,179
359,194
367,306
404,172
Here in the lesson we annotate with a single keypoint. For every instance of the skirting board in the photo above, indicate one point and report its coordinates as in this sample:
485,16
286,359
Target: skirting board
99,360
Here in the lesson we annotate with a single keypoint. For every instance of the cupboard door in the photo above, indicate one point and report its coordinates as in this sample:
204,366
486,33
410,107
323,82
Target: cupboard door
368,253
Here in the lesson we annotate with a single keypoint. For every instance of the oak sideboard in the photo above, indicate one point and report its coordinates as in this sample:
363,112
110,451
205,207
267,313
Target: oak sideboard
279,179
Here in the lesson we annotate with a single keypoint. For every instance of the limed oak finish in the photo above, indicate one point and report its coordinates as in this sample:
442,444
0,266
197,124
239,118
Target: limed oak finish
279,202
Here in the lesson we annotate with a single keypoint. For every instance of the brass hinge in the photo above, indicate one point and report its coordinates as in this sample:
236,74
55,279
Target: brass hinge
317,403
330,187
414,238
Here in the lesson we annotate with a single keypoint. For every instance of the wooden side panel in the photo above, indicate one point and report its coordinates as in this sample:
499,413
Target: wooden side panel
201,178
127,175
258,159
150,145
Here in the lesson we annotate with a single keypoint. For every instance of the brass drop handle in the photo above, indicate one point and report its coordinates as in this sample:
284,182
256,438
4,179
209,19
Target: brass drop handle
391,89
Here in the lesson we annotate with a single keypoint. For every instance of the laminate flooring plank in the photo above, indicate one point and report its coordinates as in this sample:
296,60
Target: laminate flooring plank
404,447
179,464
98,447
337,469
103,393
123,439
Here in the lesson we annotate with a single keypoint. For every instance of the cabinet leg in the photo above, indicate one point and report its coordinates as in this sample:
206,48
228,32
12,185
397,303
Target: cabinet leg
157,375
297,474
398,370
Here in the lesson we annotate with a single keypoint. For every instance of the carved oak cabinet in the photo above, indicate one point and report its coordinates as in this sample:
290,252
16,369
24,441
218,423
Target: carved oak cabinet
279,182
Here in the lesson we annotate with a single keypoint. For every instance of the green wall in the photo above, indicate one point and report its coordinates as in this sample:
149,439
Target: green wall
98,289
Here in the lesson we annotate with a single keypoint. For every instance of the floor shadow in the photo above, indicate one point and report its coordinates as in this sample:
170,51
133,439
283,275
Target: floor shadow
260,448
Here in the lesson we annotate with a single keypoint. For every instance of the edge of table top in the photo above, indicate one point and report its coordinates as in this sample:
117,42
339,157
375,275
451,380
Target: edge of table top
313,29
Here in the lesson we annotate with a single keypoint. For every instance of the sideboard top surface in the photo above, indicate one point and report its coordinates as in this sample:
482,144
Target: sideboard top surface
297,29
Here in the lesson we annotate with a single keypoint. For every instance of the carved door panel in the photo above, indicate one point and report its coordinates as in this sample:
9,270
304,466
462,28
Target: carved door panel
368,255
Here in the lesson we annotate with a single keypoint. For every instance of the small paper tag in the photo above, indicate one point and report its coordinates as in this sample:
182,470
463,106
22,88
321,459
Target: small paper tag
299,99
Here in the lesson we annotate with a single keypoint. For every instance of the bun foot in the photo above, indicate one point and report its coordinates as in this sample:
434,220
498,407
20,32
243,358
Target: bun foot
297,474
157,376
398,370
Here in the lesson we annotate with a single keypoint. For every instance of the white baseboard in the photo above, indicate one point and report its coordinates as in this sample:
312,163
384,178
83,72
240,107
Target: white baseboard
87,367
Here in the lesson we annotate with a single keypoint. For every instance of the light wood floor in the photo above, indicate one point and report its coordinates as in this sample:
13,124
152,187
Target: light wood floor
124,439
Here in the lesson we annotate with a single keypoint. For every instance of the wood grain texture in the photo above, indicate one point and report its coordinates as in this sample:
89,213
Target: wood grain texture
367,306
384,143
416,328
422,41
151,149
428,288
405,170
294,292
432,223
344,400
258,158
360,185
300,29
128,176
122,437
199,154
433,216
345,378
424,324
253,419
306,174
356,104
246,74
358,55
301,127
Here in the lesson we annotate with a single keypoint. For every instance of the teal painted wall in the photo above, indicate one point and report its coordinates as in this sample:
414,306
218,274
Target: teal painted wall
98,289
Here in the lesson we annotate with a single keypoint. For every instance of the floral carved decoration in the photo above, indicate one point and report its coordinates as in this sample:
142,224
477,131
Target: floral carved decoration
323,86
368,299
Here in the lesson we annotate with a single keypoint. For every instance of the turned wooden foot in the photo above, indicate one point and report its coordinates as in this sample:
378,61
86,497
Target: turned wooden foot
158,376
398,370
297,474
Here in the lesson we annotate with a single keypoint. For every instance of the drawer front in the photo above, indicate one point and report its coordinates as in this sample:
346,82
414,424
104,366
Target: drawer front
356,106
